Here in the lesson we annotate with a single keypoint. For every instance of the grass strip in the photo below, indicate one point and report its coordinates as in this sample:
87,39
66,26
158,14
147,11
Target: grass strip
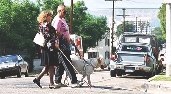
161,77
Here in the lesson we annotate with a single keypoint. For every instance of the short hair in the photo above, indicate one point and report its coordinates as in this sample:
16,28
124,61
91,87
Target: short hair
43,15
59,7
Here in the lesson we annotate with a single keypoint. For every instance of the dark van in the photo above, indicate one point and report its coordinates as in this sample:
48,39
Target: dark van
141,38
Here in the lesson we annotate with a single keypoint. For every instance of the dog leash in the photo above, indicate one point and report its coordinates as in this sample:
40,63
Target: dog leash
73,66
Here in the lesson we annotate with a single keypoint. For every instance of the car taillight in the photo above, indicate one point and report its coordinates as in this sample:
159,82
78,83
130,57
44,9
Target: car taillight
146,59
114,57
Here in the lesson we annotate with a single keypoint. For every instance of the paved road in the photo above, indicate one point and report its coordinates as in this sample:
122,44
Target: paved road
103,84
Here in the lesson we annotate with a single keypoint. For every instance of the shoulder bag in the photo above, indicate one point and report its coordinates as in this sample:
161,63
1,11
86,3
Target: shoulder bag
39,39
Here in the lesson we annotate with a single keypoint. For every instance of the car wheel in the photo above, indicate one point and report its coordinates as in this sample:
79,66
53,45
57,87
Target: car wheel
150,74
108,68
19,73
112,73
2,77
26,73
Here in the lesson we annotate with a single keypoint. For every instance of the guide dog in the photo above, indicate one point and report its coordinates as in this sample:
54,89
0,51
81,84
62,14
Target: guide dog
86,67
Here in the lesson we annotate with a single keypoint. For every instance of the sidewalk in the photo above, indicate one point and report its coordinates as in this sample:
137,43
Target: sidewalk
157,87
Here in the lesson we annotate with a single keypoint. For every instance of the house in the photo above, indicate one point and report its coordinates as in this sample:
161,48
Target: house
101,50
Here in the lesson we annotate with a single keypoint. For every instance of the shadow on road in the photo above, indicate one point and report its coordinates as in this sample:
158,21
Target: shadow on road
135,77
105,87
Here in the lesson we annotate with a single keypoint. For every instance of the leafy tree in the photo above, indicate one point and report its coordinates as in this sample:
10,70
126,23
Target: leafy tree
18,26
5,22
91,28
24,28
159,34
50,5
162,18
128,28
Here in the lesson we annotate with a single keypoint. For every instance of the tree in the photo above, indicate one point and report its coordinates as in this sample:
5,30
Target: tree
90,27
5,22
159,35
50,5
162,18
18,25
128,28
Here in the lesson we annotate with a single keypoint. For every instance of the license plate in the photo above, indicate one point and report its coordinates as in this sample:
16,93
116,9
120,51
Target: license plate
129,70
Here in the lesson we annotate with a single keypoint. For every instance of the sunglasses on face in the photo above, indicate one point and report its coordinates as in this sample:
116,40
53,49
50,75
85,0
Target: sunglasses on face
64,11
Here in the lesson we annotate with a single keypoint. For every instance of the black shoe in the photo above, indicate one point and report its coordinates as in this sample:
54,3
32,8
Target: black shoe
37,82
51,86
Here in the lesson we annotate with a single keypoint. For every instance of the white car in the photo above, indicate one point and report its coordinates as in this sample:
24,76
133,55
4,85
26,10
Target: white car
11,65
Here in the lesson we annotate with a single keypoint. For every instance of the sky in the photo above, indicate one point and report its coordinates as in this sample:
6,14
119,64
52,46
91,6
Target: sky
102,7
102,4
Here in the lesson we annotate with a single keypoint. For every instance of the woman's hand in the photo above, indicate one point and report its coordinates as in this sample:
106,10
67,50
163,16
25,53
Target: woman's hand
57,46
58,34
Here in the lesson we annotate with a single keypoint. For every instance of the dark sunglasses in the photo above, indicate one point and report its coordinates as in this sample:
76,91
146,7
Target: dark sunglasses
65,12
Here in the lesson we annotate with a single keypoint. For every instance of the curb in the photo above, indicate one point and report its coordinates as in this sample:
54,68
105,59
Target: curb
161,86
157,86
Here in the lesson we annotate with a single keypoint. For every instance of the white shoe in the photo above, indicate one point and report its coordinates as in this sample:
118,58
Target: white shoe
75,85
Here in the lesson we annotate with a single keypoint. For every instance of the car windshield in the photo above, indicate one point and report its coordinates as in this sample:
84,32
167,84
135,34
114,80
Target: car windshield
130,39
134,48
137,38
3,59
12,58
144,40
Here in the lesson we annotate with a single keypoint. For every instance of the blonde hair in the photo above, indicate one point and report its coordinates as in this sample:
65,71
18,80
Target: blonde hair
60,7
43,15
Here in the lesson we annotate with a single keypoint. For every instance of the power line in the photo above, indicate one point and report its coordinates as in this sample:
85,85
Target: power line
129,8
142,2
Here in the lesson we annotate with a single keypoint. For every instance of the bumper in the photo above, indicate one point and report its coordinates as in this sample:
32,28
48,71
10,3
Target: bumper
9,71
130,68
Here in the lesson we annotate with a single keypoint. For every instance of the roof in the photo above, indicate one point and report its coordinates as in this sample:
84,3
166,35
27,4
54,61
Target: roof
137,34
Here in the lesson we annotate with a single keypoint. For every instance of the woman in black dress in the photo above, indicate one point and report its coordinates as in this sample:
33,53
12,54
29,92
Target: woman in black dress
49,51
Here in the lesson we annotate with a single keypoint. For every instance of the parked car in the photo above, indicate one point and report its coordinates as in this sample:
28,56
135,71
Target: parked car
133,58
141,38
11,65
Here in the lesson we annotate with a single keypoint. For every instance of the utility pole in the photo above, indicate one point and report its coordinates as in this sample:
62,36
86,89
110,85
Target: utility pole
112,27
123,19
136,25
112,50
71,17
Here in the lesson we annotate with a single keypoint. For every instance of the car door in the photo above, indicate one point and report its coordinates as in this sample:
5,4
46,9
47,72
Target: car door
21,63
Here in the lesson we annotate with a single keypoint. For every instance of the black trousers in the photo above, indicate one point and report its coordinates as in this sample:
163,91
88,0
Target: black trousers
64,64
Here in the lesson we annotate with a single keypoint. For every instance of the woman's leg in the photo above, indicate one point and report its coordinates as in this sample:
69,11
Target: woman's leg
37,79
41,74
51,74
